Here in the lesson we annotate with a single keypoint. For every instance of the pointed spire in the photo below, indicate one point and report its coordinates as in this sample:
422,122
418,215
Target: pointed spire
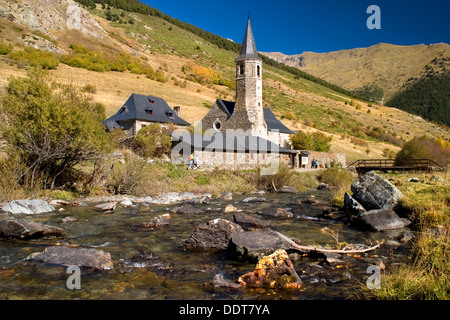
248,50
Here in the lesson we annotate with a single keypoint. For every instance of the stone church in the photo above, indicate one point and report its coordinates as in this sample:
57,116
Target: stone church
247,113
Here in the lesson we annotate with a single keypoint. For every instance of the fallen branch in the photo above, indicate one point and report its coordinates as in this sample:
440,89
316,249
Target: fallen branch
350,249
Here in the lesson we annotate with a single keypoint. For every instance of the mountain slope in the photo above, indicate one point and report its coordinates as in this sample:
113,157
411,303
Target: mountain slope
386,66
192,73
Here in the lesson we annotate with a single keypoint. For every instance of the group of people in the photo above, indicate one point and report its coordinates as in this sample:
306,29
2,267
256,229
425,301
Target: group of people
315,165
193,162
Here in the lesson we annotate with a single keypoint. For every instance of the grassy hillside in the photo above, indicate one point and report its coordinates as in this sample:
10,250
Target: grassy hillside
384,67
147,54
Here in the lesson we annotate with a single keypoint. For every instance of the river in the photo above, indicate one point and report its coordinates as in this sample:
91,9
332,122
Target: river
151,264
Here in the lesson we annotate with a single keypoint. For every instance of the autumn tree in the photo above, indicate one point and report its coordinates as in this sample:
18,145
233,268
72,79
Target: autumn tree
50,127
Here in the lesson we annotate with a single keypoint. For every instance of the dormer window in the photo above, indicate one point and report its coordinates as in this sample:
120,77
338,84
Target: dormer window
169,114
124,110
149,111
151,101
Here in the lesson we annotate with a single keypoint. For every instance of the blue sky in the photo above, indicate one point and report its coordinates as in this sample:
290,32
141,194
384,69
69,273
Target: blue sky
294,26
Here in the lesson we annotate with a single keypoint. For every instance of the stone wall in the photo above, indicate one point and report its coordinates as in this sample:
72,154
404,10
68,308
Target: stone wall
210,160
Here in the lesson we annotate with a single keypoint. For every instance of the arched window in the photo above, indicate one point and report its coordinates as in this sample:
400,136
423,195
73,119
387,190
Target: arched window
258,71
241,69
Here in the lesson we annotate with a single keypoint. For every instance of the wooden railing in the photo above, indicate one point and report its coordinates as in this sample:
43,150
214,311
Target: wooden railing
362,166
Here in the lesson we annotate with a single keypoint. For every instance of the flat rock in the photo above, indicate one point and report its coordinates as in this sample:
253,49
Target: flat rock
89,258
158,222
219,283
107,207
379,220
276,212
22,229
287,189
28,207
215,234
248,222
230,208
253,199
187,209
252,245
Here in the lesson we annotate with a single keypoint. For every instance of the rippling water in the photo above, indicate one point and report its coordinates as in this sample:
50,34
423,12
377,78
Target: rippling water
150,263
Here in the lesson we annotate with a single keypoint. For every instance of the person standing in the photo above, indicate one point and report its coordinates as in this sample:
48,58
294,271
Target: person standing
191,162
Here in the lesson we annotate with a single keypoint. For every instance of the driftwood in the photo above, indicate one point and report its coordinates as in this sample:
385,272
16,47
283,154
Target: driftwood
349,249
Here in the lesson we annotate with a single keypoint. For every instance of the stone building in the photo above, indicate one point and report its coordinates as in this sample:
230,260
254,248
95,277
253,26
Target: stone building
140,111
247,113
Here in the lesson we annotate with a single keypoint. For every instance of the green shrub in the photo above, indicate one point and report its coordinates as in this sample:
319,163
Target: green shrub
5,49
51,128
151,141
424,148
35,58
316,141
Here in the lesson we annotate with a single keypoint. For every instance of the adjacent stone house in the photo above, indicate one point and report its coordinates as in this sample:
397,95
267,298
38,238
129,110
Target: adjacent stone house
140,111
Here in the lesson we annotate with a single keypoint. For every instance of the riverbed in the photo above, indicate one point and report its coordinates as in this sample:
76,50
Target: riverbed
150,263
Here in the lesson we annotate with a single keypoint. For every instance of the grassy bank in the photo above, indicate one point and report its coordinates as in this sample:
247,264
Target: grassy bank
427,276
134,176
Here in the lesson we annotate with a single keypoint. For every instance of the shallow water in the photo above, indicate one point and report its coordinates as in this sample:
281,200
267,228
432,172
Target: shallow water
169,272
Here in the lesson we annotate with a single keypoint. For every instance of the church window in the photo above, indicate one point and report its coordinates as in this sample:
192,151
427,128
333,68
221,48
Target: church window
258,71
241,69
217,125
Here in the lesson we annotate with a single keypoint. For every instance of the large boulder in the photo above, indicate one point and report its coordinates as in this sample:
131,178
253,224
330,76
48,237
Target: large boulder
379,220
88,258
373,192
253,245
352,207
273,271
215,234
22,229
28,207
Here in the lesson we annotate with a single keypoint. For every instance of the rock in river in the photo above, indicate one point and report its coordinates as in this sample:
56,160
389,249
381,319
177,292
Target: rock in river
27,207
373,192
248,222
276,212
22,229
215,234
253,245
379,220
88,258
187,209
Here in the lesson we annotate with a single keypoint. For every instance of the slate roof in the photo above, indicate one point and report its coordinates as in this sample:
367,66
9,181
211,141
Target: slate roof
248,50
273,124
226,142
144,108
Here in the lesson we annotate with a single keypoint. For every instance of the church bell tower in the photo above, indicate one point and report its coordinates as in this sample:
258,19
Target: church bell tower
248,110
